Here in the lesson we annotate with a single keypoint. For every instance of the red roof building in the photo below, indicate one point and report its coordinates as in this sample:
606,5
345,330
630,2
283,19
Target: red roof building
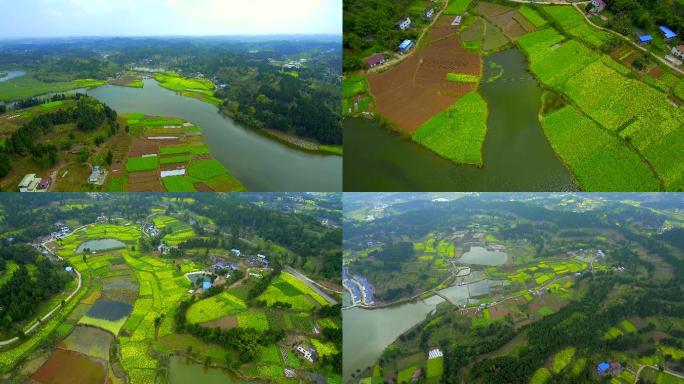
374,60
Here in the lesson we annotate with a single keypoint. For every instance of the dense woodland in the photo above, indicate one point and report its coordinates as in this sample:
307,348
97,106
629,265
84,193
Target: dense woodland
303,102
86,114
21,295
646,14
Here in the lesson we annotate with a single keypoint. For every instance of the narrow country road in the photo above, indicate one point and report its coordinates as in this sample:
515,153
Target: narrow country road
312,284
636,377
662,60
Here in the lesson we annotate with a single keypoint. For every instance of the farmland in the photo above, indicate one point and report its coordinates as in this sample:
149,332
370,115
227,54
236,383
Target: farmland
628,105
123,324
197,88
505,309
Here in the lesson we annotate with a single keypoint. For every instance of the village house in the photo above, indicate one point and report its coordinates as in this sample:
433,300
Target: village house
31,183
428,13
308,352
165,249
599,6
375,60
435,353
404,24
667,32
678,51
457,21
405,45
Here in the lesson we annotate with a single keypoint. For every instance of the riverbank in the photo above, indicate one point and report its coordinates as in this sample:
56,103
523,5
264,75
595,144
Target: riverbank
302,143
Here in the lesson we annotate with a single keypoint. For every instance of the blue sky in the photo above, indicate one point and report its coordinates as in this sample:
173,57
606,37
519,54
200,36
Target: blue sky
53,18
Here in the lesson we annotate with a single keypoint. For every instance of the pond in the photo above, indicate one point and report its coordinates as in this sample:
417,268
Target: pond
483,256
182,371
11,75
110,310
100,245
196,277
517,156
258,161
367,332
464,294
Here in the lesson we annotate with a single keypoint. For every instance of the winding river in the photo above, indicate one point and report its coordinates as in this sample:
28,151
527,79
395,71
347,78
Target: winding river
517,156
11,75
258,161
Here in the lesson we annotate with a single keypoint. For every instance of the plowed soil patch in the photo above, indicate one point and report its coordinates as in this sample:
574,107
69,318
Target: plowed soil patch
202,187
171,167
489,9
227,322
145,182
123,81
64,367
143,147
509,23
413,91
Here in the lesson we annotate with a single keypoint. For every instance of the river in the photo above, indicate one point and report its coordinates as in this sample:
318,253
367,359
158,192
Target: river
517,156
11,75
258,161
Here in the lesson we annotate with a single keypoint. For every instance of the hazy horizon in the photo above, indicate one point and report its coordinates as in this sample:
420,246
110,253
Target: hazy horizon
168,18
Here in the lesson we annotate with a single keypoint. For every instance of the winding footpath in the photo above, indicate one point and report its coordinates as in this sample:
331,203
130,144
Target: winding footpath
638,373
47,316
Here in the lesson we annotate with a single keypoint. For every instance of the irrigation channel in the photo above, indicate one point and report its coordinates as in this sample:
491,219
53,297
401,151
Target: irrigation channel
517,156
260,162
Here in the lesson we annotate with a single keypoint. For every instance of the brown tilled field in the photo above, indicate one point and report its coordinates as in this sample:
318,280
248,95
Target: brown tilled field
123,81
413,91
141,147
148,181
227,322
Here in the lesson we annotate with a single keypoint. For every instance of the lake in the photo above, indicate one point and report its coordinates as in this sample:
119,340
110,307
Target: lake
258,161
517,156
483,256
100,245
182,371
367,332
11,75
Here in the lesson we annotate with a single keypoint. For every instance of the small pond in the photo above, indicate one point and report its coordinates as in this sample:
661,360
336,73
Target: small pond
483,256
183,370
100,245
110,310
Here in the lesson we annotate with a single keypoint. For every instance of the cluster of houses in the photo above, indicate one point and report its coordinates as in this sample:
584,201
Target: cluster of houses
165,249
61,232
358,287
151,229
32,183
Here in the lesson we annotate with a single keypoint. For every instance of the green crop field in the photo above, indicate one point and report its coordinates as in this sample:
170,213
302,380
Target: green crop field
541,376
628,326
457,7
206,169
435,367
574,23
253,319
27,86
532,16
562,359
354,85
459,132
175,159
462,78
636,111
138,164
215,307
599,160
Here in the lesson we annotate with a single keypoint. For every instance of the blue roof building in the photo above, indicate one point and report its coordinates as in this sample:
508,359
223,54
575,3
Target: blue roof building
406,45
667,32
206,285
602,368
68,269
645,39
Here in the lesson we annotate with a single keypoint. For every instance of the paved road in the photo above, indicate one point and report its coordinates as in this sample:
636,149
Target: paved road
312,284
